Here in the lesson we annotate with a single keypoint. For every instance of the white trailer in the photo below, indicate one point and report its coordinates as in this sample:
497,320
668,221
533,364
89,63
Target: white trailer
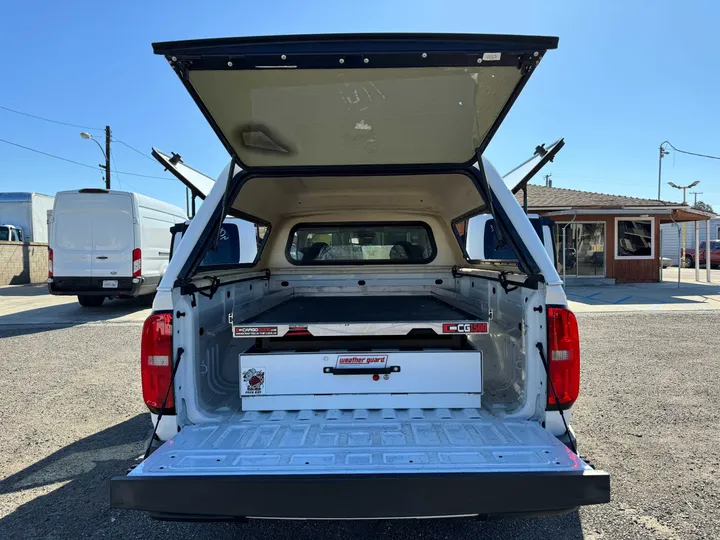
672,242
27,212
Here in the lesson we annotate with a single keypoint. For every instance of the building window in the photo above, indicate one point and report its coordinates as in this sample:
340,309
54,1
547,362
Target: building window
634,238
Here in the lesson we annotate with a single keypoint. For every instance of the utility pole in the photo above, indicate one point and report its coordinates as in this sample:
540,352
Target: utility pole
548,181
107,157
696,193
663,153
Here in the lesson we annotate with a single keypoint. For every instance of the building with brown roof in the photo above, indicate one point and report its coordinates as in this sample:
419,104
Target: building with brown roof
606,236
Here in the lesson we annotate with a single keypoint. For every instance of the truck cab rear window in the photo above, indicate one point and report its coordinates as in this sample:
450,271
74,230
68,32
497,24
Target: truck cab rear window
361,243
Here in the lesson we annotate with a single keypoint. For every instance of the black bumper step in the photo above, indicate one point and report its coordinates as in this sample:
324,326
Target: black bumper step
359,496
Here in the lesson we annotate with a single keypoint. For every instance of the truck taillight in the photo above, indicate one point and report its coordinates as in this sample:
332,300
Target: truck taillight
156,360
50,262
137,262
563,357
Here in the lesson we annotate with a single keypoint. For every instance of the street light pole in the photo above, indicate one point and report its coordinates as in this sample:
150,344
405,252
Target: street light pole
684,237
106,152
663,152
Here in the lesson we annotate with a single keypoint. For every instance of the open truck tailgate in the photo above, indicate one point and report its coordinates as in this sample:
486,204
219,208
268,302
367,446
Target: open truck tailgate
360,464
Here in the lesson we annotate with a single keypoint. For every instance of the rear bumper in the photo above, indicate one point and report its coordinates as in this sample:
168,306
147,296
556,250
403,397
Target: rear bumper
93,286
359,496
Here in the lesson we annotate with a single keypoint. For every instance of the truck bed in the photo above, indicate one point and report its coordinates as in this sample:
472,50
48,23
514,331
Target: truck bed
356,315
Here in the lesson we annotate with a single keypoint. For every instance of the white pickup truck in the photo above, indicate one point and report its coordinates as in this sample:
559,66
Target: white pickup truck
363,365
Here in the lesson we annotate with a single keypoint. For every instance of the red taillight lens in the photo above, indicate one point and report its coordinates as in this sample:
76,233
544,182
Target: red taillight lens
563,357
137,262
50,262
156,360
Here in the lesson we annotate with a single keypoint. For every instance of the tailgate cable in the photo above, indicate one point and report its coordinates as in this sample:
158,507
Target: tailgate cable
557,401
180,352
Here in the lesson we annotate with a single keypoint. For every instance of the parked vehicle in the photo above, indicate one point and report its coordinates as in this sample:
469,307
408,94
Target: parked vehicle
24,217
483,243
108,243
666,262
237,243
363,365
11,233
714,254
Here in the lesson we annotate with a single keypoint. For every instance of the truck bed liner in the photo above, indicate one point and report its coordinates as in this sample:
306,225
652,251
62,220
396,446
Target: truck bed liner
357,315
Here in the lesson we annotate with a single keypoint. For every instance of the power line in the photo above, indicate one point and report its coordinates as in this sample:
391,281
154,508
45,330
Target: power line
81,164
48,119
146,176
49,155
143,154
691,153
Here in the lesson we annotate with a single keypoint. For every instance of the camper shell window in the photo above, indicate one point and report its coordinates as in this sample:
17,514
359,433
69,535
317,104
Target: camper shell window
361,243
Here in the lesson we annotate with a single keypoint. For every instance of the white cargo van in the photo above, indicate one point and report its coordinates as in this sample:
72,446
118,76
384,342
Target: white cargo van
364,365
107,243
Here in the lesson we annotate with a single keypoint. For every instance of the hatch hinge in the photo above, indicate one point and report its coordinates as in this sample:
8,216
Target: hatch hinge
528,62
230,318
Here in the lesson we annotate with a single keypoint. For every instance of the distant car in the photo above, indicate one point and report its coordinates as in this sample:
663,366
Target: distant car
689,259
666,262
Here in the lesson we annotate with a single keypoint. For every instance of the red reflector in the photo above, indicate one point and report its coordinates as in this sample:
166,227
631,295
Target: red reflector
563,357
156,360
50,262
137,262
298,331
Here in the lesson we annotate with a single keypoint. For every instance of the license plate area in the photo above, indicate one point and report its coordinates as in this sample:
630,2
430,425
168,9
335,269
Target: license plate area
392,379
110,283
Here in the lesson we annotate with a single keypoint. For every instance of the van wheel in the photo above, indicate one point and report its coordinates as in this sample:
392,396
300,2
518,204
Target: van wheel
91,301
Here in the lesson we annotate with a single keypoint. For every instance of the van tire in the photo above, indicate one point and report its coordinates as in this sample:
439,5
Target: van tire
91,301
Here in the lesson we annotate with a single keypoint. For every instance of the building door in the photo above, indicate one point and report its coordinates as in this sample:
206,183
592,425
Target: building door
585,249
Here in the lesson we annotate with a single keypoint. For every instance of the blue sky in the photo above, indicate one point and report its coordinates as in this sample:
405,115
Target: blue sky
627,76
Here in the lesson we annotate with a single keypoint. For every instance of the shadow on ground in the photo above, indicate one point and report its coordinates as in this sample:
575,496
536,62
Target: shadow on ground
32,308
698,295
67,496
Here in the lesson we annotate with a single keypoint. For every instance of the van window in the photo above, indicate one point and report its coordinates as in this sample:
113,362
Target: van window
361,243
228,249
4,234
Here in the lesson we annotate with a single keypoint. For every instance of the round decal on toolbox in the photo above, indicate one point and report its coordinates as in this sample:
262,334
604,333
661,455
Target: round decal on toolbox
253,380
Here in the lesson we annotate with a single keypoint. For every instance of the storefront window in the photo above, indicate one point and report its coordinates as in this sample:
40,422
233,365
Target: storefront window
584,249
634,239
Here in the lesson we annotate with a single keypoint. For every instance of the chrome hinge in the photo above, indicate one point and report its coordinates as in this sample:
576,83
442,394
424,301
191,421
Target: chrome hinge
490,314
230,318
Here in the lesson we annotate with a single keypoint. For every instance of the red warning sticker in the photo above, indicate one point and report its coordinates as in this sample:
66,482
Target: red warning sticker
465,328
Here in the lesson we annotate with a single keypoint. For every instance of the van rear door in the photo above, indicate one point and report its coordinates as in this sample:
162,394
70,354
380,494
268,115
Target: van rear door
93,233
113,235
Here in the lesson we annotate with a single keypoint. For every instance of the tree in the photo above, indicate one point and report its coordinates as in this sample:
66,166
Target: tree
705,207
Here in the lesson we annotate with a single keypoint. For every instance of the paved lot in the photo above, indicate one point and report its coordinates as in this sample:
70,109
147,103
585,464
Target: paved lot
31,304
72,418
665,296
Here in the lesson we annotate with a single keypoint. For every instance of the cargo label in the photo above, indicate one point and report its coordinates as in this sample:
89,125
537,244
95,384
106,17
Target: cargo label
241,331
465,328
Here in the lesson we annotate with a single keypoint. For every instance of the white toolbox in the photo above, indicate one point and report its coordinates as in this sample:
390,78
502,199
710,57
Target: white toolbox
367,380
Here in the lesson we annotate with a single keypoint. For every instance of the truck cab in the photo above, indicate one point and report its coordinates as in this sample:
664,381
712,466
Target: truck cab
365,364
10,233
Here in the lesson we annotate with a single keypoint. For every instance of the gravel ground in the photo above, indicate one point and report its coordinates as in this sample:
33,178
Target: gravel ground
648,415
